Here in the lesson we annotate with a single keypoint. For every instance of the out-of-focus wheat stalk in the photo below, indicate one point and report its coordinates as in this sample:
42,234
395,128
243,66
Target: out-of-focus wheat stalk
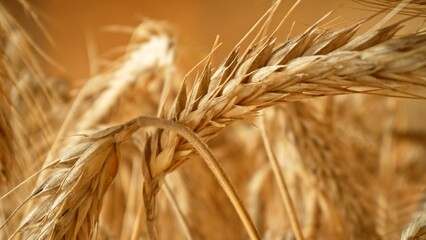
320,150
288,202
103,91
26,106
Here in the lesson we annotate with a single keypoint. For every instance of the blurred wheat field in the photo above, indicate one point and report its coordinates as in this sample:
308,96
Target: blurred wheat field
132,120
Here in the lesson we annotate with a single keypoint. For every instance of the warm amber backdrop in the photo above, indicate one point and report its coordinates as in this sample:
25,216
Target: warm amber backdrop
197,22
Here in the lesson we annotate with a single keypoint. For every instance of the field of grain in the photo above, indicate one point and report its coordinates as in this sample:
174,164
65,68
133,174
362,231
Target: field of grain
297,122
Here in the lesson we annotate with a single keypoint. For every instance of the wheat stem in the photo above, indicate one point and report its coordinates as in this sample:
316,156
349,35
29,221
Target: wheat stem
137,224
179,214
282,186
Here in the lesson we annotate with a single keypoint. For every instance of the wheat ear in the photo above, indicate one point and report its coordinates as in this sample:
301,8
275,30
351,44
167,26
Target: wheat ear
74,193
108,87
316,63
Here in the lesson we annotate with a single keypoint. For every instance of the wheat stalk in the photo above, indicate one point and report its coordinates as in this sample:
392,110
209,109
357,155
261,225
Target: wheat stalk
279,176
